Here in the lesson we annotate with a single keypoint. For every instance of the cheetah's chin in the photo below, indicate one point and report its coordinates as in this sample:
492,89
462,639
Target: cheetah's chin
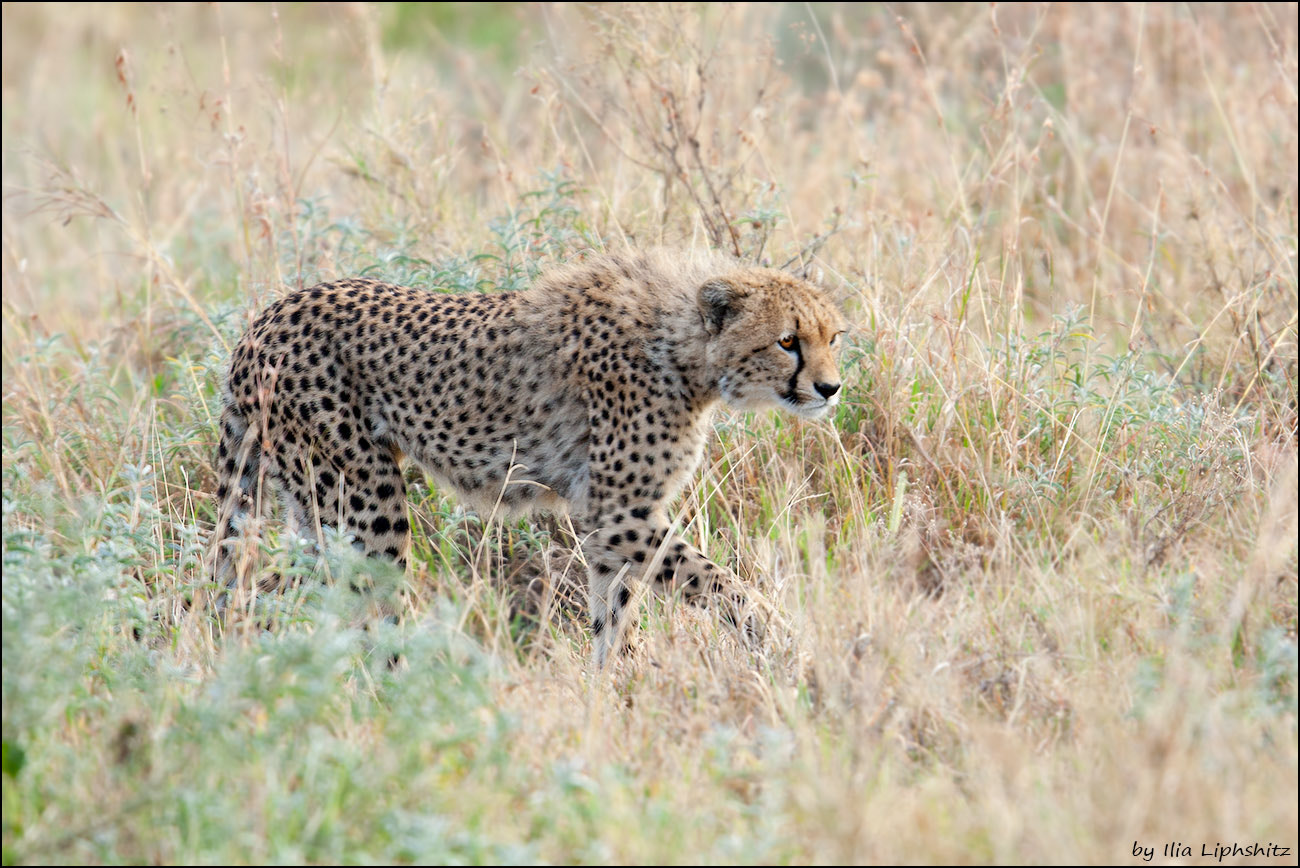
808,409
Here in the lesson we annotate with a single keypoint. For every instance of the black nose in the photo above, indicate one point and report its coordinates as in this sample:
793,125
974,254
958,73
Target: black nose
826,389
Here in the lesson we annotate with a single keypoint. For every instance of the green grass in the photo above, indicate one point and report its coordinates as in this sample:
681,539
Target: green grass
1031,594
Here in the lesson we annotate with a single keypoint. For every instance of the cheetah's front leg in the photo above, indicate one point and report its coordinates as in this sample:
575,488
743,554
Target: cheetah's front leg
633,544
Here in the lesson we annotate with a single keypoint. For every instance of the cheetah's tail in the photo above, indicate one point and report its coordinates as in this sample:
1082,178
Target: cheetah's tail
239,458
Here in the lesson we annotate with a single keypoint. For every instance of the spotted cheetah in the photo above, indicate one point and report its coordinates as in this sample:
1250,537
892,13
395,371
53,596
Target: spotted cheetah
589,394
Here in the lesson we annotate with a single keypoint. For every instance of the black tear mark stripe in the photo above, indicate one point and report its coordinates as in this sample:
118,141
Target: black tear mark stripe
792,393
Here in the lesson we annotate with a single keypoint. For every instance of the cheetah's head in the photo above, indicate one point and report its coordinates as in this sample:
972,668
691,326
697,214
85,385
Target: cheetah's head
773,341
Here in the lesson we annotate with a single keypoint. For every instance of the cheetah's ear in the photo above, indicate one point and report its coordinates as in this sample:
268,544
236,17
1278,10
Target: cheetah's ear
719,299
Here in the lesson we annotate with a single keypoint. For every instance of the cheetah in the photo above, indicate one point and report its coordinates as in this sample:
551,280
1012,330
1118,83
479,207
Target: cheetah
588,395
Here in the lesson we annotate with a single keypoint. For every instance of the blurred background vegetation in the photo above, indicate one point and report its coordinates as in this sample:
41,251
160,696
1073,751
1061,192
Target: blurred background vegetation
1036,585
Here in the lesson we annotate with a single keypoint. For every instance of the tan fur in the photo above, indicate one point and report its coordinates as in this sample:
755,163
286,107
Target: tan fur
590,393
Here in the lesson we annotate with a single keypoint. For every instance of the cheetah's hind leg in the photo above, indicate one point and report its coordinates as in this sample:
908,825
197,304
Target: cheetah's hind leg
342,479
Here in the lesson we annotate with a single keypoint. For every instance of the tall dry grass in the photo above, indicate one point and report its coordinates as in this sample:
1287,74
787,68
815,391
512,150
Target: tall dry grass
1036,585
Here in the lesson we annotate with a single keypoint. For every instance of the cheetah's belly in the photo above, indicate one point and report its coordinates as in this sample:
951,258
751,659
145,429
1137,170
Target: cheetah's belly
513,469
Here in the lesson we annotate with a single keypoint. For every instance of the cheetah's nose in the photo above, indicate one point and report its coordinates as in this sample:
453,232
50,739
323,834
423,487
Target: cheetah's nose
826,389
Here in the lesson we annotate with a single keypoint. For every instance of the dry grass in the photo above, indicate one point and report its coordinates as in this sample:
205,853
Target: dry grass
1035,588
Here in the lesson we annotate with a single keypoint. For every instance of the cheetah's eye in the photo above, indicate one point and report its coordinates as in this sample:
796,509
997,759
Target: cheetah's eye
788,342
835,339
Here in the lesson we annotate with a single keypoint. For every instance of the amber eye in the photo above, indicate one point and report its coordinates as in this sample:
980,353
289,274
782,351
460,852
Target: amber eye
787,343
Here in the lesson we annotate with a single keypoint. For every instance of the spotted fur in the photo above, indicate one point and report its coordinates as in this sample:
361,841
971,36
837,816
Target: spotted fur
589,394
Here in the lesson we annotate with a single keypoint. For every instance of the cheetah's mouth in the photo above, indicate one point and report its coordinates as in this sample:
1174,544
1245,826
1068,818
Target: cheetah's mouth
809,408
